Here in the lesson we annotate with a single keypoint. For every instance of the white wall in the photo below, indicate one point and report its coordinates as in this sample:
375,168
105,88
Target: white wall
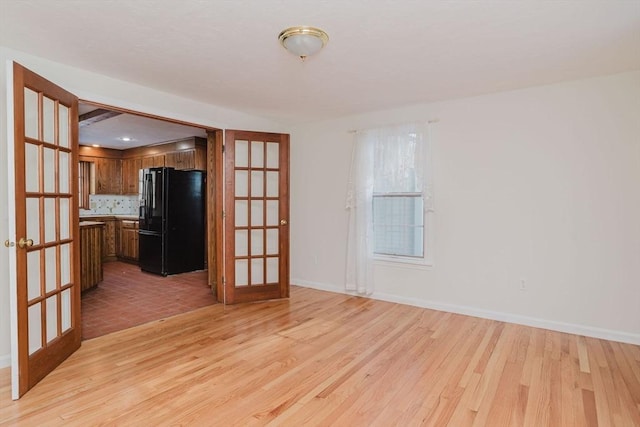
98,88
540,184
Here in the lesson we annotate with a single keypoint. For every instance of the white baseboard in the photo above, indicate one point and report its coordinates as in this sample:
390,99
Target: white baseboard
5,361
570,328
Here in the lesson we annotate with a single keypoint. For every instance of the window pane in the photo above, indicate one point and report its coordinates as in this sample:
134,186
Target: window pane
398,225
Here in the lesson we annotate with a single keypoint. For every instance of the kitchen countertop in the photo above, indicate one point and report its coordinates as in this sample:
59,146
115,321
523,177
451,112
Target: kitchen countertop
129,217
90,223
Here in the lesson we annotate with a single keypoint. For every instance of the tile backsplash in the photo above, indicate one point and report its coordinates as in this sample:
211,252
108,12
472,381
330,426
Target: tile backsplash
110,204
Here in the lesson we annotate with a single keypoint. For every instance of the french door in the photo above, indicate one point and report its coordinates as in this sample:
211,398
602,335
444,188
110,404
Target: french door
47,256
256,224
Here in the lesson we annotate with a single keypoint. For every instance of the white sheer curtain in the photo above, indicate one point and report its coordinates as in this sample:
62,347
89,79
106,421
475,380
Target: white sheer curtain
391,159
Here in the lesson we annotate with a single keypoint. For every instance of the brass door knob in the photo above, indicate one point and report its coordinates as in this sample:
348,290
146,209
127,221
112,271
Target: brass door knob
23,243
283,222
9,243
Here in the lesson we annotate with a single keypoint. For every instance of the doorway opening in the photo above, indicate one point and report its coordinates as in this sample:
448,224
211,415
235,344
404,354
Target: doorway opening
115,144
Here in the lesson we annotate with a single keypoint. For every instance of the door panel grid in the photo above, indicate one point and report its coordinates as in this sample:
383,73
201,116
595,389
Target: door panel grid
46,165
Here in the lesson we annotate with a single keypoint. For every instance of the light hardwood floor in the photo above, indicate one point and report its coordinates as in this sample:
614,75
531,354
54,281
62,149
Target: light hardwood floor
330,359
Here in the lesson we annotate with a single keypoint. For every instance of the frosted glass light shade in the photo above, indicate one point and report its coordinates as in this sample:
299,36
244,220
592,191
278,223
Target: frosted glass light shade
303,41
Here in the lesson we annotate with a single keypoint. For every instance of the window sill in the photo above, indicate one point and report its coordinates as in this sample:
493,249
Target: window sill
402,262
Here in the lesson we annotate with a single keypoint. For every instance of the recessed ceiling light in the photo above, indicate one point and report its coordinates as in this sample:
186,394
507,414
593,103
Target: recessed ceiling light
125,138
95,145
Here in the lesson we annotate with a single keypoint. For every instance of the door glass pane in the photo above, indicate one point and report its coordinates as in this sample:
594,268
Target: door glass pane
49,171
256,212
33,275
64,172
35,328
257,271
272,241
63,120
257,183
65,218
273,155
257,243
242,272
272,184
48,120
242,243
49,219
242,154
272,213
52,317
66,310
31,167
30,113
33,219
242,213
50,269
257,154
242,183
65,264
272,270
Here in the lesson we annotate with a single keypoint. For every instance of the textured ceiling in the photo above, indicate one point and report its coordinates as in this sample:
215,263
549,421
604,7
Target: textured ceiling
141,131
381,54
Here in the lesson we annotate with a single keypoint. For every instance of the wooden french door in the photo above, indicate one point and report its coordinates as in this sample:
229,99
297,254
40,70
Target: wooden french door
256,224
46,210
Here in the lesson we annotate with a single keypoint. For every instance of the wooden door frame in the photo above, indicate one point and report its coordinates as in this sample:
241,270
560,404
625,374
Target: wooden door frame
215,179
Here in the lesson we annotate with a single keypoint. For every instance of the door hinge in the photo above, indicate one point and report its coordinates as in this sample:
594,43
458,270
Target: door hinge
224,214
223,148
223,281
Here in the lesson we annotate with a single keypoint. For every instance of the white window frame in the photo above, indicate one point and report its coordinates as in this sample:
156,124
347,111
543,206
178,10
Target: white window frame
426,260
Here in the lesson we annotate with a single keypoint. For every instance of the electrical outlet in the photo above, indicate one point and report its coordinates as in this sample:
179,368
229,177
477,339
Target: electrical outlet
523,284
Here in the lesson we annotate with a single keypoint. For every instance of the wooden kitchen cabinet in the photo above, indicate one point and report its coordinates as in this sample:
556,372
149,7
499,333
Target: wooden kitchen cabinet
130,175
110,236
156,161
90,254
128,249
181,159
108,175
193,159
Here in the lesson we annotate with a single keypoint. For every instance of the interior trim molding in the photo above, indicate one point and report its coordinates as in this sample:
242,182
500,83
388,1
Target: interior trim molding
570,328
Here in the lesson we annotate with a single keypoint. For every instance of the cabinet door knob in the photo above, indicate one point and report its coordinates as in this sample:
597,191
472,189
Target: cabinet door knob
283,222
9,244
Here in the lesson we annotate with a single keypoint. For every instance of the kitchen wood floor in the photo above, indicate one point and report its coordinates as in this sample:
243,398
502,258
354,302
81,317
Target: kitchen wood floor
129,297
335,360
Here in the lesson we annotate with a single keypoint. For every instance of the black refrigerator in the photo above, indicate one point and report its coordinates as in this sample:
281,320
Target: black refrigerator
172,220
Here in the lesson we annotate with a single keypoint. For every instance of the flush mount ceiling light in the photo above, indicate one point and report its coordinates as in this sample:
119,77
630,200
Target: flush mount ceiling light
303,41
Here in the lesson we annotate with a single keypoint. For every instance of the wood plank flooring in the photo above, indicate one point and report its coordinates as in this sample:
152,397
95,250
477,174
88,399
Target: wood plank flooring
335,360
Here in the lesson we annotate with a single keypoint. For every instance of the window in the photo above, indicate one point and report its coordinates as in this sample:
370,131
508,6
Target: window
84,184
398,192
398,224
389,201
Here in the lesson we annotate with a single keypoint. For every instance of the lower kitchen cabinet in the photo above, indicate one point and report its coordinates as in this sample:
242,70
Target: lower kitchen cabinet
90,254
128,249
110,239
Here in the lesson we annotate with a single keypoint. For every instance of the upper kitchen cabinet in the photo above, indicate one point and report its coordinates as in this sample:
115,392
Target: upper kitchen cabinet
108,176
107,169
188,154
130,171
156,161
